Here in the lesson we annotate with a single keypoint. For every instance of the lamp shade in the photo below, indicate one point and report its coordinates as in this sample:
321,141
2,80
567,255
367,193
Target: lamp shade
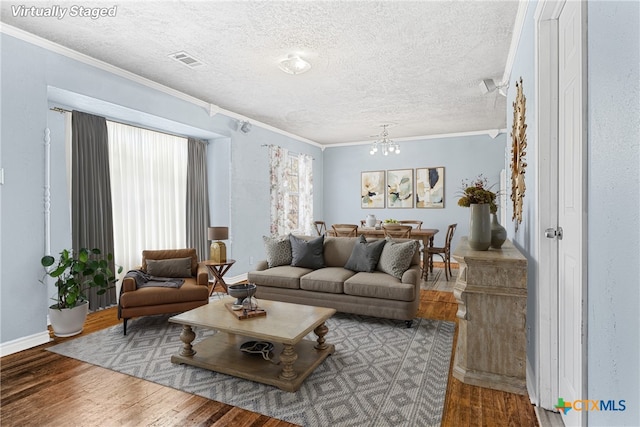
218,233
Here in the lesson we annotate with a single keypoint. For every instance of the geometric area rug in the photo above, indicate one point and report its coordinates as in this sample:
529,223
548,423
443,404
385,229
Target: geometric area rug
381,373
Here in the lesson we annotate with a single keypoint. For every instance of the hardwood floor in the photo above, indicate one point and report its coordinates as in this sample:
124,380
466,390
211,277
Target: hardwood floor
42,388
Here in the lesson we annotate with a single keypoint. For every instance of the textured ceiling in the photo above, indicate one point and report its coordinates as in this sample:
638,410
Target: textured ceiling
416,64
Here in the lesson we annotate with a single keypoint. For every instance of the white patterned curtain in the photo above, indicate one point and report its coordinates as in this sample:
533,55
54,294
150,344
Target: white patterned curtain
149,186
305,165
278,163
291,184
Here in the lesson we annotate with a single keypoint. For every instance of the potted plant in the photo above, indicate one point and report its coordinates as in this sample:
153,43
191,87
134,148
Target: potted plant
74,274
478,197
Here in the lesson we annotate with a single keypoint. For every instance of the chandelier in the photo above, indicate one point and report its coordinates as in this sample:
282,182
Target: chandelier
386,145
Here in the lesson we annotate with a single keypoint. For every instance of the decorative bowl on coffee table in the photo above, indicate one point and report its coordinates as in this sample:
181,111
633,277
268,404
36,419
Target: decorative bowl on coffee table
241,291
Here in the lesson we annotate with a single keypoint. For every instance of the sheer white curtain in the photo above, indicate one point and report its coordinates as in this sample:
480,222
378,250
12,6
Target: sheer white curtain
149,185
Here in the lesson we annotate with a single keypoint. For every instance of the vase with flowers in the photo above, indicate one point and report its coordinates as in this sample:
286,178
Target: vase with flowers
478,197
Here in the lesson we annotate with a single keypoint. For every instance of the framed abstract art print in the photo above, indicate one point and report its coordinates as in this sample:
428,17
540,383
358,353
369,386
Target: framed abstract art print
372,189
430,187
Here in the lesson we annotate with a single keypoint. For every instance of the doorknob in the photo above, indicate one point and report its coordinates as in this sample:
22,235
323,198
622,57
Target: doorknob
552,233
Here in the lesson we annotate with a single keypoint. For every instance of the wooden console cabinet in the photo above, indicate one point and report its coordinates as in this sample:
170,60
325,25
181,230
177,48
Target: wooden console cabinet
491,291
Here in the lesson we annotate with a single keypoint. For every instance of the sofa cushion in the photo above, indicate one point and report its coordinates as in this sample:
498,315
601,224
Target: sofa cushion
328,279
307,253
278,250
396,257
172,267
365,255
379,285
284,276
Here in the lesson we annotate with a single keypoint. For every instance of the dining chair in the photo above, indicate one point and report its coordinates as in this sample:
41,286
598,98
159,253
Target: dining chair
345,230
412,222
443,252
321,227
397,230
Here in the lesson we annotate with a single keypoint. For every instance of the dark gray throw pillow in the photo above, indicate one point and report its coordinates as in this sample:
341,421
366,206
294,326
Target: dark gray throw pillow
307,253
172,267
365,255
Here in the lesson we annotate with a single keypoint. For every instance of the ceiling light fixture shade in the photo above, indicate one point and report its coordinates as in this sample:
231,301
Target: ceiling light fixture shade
384,144
294,65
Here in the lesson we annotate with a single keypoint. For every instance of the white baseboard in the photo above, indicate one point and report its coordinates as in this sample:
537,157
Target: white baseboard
531,389
235,279
24,343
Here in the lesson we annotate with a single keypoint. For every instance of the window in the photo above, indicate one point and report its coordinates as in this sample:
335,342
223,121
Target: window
148,185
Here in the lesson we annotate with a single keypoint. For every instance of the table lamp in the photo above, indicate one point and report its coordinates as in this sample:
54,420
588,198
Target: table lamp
218,251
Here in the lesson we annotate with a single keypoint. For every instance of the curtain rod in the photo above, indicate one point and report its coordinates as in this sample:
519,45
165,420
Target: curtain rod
62,110
294,152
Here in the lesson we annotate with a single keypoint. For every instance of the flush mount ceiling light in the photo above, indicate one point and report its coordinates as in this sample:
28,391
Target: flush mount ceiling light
294,65
490,85
386,145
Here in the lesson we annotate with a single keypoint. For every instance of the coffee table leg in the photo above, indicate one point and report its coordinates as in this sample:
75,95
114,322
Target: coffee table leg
288,358
187,336
321,331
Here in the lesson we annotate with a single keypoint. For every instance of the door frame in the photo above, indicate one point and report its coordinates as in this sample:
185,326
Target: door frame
547,274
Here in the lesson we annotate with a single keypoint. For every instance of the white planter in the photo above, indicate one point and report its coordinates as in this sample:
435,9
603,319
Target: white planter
68,321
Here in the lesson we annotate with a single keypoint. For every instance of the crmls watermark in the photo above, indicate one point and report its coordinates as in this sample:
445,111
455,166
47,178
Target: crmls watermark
59,12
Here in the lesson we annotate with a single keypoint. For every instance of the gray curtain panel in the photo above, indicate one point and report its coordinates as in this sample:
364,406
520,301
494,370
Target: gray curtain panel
197,199
91,207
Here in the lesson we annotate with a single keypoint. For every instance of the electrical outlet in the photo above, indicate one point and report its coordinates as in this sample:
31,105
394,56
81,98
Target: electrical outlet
250,260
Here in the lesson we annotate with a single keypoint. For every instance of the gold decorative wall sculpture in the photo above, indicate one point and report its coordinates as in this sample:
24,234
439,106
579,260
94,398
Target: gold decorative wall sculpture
518,152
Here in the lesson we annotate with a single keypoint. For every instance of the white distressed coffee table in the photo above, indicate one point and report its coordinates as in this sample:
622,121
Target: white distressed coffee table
285,326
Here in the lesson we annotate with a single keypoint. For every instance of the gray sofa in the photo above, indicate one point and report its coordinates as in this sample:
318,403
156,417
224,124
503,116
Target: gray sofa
374,293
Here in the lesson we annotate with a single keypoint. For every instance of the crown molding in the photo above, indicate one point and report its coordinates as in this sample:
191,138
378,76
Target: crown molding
515,39
210,108
493,133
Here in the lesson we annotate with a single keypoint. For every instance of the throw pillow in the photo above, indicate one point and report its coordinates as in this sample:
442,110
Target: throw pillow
172,267
278,250
365,255
396,257
307,253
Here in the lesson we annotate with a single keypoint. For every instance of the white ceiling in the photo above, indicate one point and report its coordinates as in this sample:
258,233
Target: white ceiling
416,64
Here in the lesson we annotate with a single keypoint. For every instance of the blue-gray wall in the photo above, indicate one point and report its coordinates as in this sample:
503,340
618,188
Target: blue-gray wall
613,203
463,157
33,79
613,208
525,238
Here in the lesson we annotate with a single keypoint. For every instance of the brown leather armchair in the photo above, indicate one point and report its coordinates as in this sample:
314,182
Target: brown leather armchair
144,301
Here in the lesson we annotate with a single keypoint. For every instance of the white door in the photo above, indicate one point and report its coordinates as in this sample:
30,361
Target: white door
571,190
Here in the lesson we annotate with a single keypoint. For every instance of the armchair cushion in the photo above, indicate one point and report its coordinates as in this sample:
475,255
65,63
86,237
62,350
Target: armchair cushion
173,267
169,254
